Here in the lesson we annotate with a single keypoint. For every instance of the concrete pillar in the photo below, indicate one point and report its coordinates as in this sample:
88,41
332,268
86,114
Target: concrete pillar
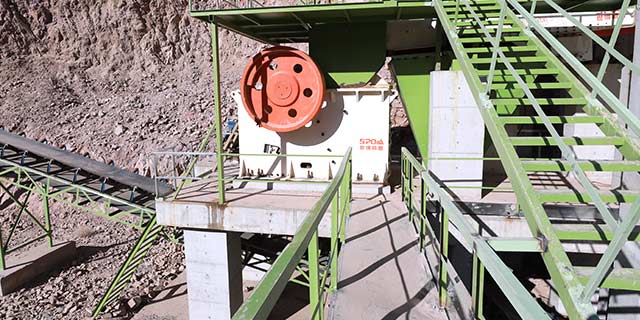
214,273
455,132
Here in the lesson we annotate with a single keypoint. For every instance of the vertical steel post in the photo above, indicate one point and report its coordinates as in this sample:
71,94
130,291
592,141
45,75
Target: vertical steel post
346,202
423,212
402,174
455,17
314,279
496,48
444,252
217,107
335,219
2,249
410,192
477,287
47,218
533,8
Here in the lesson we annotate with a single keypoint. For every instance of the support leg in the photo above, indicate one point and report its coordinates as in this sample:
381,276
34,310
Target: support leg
47,219
335,220
423,213
477,287
217,106
444,252
315,304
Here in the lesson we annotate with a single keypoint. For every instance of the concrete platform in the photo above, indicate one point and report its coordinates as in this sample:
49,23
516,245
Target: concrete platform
33,263
382,273
254,210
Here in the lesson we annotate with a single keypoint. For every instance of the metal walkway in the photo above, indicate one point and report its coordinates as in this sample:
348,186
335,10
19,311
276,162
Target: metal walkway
382,271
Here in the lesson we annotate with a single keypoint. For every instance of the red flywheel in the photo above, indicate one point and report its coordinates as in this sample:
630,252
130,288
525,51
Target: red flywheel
282,89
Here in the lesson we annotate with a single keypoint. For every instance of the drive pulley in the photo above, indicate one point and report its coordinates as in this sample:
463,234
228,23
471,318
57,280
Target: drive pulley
282,89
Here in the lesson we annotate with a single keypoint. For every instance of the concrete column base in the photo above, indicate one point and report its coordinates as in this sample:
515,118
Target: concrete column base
214,273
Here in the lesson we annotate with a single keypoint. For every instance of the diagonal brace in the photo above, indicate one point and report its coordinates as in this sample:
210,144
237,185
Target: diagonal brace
621,236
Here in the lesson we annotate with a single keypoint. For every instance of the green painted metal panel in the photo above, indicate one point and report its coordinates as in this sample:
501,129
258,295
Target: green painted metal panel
412,77
348,54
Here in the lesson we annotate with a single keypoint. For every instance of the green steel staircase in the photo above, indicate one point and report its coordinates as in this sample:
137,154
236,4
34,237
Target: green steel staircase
523,83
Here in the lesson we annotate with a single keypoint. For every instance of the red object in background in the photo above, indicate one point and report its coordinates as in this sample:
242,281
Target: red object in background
608,32
282,89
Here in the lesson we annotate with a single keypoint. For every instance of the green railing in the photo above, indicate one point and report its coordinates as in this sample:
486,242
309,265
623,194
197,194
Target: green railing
189,160
433,194
322,279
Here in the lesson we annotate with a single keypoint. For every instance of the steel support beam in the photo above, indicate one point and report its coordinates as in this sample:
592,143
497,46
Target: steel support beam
217,110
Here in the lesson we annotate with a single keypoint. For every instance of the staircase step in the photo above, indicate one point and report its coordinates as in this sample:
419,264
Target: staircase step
506,49
486,41
532,86
477,3
572,141
591,165
521,72
462,7
464,14
617,278
513,60
577,197
486,22
540,101
552,119
590,232
478,32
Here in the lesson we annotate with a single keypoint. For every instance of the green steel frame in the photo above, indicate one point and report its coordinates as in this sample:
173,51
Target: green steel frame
474,16
28,181
35,182
337,196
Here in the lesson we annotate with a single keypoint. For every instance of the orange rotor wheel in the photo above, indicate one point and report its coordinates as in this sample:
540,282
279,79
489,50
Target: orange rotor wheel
282,89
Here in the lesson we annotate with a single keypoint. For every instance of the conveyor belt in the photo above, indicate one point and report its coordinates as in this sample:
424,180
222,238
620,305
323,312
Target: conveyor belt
88,185
73,160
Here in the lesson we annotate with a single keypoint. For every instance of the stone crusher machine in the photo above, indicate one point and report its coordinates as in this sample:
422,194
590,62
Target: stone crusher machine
285,107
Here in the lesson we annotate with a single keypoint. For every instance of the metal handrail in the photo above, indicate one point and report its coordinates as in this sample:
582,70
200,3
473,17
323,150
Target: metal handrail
598,88
188,176
433,190
266,294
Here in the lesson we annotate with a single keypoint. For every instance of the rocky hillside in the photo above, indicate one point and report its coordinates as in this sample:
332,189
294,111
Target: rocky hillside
111,79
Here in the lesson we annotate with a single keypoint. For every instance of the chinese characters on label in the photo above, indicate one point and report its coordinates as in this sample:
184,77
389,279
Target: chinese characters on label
371,144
